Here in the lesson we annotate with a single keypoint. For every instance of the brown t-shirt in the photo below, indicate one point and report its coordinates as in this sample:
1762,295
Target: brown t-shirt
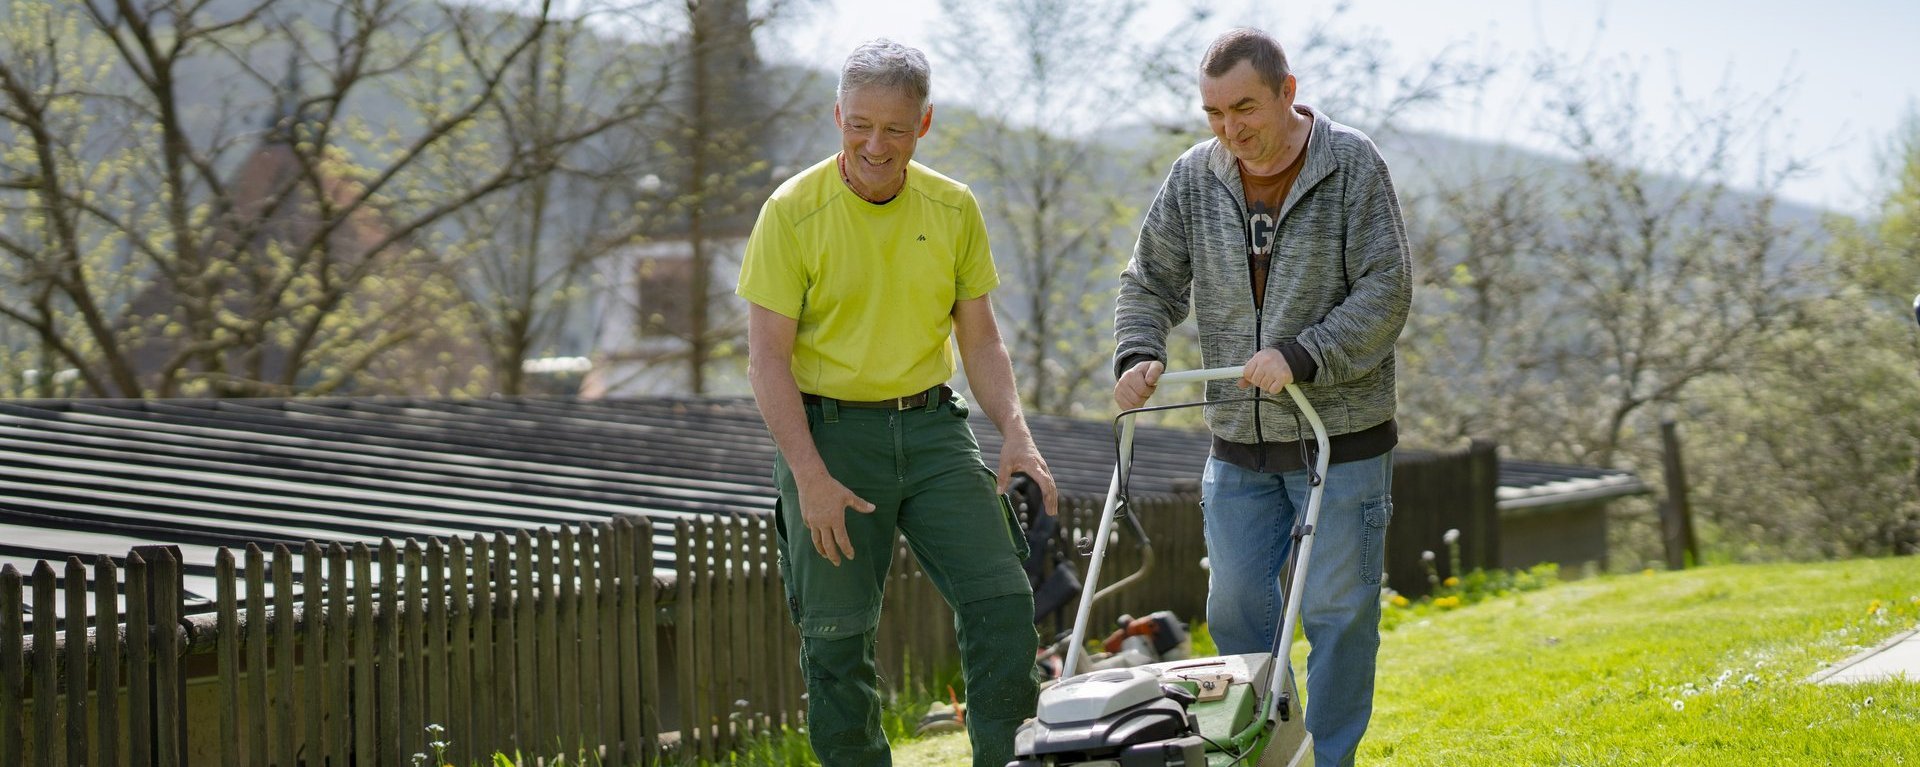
1265,195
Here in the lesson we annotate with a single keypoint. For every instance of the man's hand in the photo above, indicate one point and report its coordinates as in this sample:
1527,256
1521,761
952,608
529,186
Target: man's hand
823,505
1267,370
1019,456
1136,385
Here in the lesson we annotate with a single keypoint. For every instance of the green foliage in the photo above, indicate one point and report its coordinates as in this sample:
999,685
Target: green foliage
1456,592
1815,452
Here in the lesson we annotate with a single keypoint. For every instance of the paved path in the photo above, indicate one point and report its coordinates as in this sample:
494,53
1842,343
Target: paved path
1898,657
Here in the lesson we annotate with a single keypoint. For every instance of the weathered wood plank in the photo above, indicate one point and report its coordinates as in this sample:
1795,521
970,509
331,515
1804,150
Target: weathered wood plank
139,661
76,662
386,659
254,652
648,590
227,651
482,735
315,642
460,661
684,549
339,661
436,671
366,752
567,649
412,652
628,536
169,688
546,631
607,561
526,649
591,674
106,616
506,735
286,710
13,681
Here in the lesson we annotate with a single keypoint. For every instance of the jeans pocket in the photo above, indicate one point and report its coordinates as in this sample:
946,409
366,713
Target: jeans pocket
1373,541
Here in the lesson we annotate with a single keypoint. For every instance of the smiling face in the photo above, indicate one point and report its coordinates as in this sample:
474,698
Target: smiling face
879,128
1249,117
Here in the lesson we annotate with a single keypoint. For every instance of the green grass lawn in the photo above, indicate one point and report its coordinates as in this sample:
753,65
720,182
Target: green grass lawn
1703,667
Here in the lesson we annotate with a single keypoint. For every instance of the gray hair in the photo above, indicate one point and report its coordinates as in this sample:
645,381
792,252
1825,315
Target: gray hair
888,64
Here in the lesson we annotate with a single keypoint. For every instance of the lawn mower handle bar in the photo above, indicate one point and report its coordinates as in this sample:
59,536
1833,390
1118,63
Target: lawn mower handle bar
1090,592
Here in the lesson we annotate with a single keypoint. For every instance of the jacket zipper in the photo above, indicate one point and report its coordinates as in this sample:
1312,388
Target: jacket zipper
1259,438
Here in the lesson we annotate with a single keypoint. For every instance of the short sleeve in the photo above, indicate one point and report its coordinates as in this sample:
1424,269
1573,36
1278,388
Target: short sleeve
771,273
974,274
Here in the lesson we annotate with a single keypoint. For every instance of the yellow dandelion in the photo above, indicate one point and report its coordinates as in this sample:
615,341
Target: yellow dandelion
1874,608
1450,582
1447,602
1399,601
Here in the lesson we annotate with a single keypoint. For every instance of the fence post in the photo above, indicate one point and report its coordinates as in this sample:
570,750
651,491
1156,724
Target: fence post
459,654
12,668
566,650
1676,515
283,645
387,657
468,745
257,751
169,689
340,735
106,619
412,653
683,552
365,753
592,675
313,667
649,636
139,661
437,670
75,632
226,648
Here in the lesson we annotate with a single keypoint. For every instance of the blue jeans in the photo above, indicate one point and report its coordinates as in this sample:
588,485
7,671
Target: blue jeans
1249,519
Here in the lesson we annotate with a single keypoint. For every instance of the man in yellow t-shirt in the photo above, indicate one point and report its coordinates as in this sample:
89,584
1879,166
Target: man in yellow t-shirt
859,270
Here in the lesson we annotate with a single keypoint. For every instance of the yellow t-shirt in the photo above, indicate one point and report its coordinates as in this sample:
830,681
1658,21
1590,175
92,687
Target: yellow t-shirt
873,286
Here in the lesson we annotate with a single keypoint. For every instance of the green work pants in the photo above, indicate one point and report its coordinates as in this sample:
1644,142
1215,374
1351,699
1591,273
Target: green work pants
921,469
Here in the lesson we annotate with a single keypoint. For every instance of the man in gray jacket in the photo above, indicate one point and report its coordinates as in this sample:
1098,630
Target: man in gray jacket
1282,234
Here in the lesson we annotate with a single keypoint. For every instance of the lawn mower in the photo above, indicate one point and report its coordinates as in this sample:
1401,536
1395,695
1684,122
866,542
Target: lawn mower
1224,710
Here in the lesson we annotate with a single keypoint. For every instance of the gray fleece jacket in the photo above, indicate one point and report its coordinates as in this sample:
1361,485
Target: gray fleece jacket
1339,286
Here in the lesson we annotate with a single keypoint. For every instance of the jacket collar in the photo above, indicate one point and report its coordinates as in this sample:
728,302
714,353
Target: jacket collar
1318,165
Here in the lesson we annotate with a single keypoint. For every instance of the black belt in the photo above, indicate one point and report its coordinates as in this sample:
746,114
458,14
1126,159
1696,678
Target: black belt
908,402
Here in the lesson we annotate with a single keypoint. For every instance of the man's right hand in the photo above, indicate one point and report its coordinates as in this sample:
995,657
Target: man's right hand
823,505
1136,385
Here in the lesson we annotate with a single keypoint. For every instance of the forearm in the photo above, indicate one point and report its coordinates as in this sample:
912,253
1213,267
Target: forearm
778,397
990,373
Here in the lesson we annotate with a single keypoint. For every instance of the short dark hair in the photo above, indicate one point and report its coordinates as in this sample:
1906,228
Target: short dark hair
1249,45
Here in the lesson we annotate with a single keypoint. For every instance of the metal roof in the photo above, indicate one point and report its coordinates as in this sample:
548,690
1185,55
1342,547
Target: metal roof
93,477
1536,486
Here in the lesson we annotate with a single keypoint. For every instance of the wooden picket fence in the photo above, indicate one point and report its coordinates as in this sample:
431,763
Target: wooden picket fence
560,646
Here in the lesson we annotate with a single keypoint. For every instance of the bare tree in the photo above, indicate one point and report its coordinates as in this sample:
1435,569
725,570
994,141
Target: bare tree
155,247
524,255
1060,197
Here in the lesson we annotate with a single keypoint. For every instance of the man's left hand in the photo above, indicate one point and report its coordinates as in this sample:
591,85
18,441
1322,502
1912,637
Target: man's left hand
1267,370
1019,456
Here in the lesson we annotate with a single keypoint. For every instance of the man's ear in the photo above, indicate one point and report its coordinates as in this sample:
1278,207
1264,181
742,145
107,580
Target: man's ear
926,122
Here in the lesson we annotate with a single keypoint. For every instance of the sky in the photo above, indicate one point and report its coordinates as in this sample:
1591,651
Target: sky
1846,73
